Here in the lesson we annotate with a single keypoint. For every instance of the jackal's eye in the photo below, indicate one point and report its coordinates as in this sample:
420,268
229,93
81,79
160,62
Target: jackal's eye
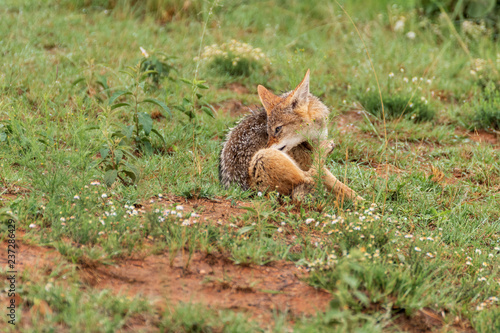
277,130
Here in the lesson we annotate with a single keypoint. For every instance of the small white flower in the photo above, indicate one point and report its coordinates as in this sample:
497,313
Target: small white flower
280,229
417,249
144,53
478,251
76,197
104,195
309,220
411,35
259,194
179,207
32,225
400,25
63,219
391,75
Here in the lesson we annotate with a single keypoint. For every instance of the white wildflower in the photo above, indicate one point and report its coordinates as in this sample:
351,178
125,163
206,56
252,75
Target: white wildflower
411,35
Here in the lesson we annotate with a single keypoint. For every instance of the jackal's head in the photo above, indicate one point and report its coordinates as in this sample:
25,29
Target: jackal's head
294,117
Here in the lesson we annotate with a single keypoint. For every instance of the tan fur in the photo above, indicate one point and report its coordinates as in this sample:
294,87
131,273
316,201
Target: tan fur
277,154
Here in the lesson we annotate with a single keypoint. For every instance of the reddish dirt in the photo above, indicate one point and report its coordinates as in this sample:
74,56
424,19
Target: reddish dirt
238,88
37,263
427,320
11,192
481,136
348,122
214,281
211,210
236,108
209,279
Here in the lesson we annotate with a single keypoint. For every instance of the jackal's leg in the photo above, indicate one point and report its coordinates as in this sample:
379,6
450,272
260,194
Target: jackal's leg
336,186
271,169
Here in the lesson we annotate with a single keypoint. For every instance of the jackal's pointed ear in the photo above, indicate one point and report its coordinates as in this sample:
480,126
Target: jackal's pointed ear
301,92
268,99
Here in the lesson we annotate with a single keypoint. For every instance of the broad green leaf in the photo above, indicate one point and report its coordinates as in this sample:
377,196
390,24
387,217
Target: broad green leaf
158,103
480,8
118,94
246,229
250,209
104,152
158,134
147,145
146,121
110,177
118,105
131,174
208,111
118,156
90,127
74,83
3,136
202,86
131,74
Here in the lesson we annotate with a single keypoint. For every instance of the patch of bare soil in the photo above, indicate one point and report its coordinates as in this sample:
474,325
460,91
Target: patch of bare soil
11,192
214,281
348,122
213,210
209,279
236,108
481,136
238,88
427,320
36,262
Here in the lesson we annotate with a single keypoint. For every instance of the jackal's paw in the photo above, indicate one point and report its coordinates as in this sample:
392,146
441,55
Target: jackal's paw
326,147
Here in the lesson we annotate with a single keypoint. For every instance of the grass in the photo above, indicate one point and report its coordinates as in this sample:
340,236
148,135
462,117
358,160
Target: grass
431,241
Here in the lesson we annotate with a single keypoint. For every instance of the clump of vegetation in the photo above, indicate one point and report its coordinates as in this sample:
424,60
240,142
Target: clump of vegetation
403,98
157,66
161,10
234,58
92,85
486,111
398,106
487,11
142,125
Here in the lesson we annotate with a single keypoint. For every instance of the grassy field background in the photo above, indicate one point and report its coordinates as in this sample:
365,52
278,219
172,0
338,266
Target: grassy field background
112,116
